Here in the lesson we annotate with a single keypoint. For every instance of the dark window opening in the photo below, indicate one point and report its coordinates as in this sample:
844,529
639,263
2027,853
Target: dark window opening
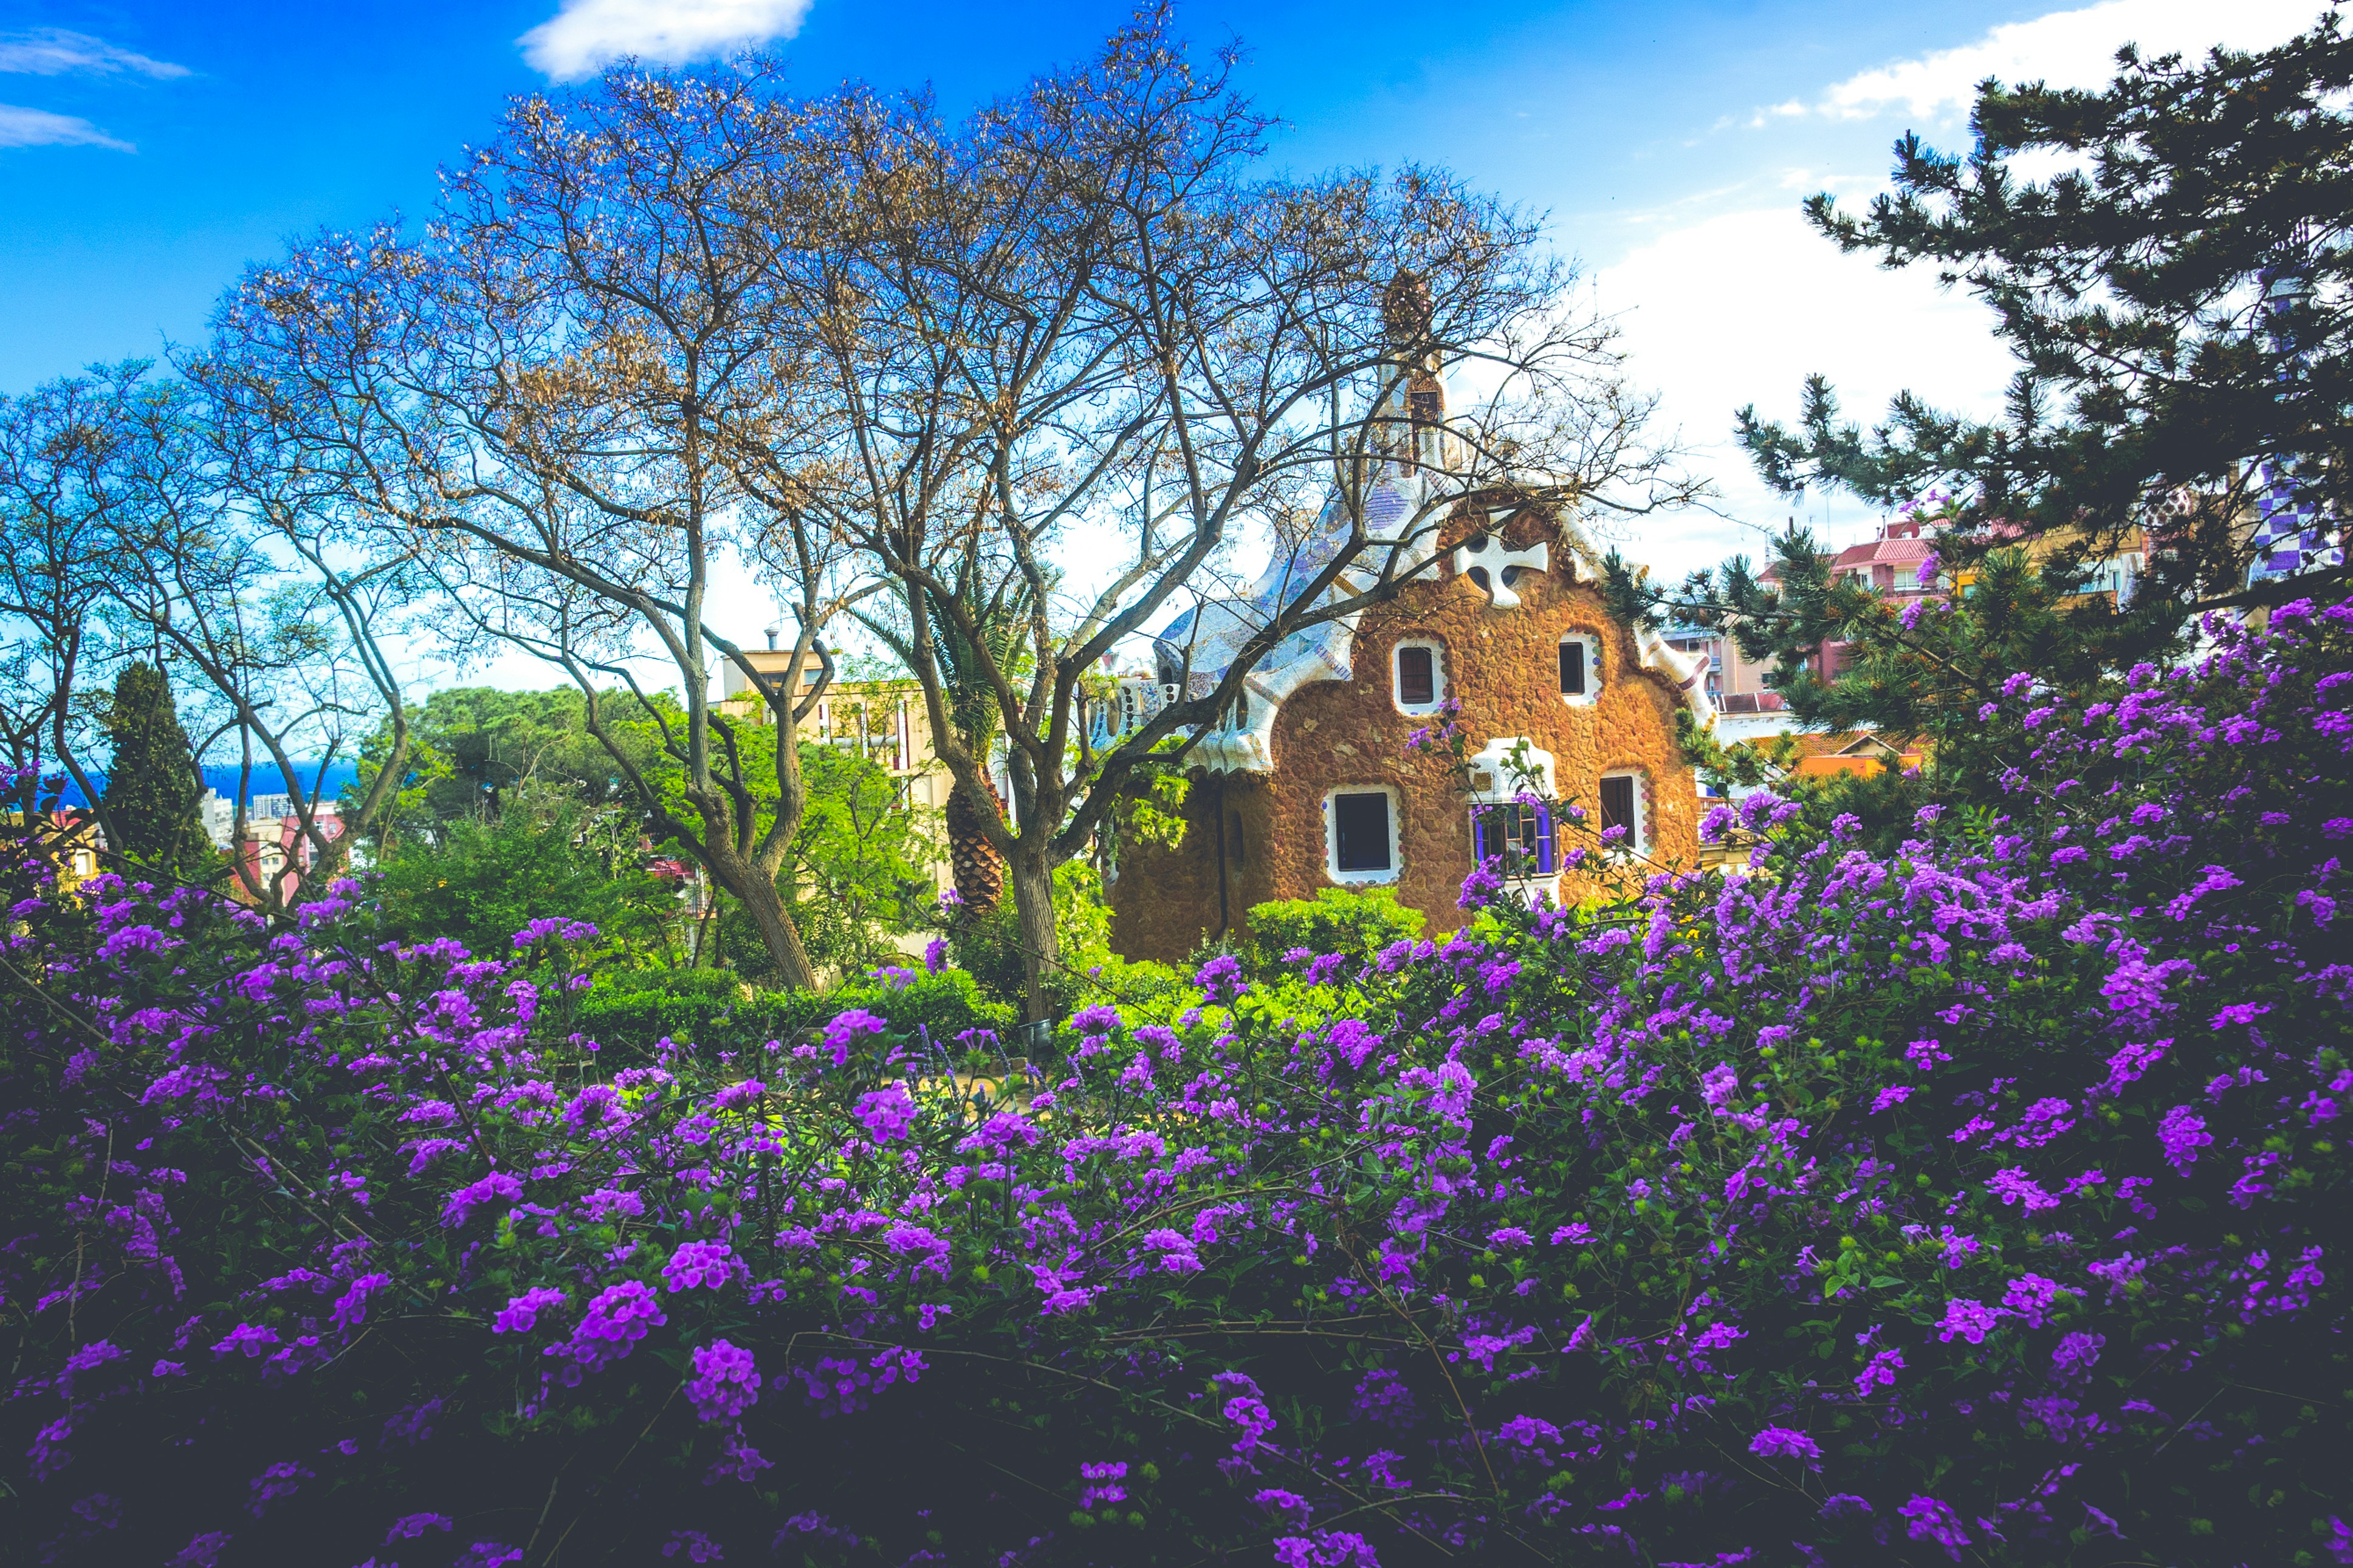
1479,574
1618,809
1417,675
1360,831
1572,669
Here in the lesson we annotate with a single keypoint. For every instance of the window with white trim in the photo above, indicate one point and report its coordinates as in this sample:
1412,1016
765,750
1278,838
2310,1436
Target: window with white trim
1581,668
1360,834
1417,675
1625,800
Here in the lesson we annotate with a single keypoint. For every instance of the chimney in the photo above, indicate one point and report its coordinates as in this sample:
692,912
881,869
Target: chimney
772,632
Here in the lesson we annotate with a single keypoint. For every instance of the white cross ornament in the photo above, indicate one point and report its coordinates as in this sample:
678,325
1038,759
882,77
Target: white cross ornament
1485,561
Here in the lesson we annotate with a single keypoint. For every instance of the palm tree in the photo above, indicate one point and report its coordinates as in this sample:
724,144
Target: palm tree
999,616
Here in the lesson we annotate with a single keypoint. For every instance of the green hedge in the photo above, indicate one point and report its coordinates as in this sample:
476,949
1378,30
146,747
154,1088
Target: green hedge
634,1010
1336,920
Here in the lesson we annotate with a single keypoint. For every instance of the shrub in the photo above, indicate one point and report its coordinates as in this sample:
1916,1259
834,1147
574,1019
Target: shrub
1984,1197
634,1011
1354,922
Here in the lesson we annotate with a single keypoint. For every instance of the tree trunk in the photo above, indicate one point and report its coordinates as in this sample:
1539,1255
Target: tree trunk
766,905
1033,902
972,861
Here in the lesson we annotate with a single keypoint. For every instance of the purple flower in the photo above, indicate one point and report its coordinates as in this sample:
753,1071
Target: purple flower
350,1307
887,1113
203,1551
522,1312
1880,1373
1774,1441
1926,1519
852,1030
1105,1480
246,1337
1971,1321
735,1096
617,1318
1220,979
1175,1249
1890,1097
2013,1187
496,1187
1325,1548
2076,1356
726,1381
555,928
1287,1506
710,1263
1505,1236
2183,1134
409,1527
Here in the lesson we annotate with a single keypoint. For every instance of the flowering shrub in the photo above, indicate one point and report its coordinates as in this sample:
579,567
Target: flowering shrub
1977,1202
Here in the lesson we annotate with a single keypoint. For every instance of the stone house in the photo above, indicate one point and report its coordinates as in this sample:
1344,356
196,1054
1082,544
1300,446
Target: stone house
1310,784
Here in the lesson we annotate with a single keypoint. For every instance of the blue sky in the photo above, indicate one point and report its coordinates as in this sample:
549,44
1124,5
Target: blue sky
148,150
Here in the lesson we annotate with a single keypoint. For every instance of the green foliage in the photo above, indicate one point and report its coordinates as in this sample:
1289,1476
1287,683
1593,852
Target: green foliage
1922,666
631,1012
989,945
152,782
480,880
855,875
470,748
858,872
1356,922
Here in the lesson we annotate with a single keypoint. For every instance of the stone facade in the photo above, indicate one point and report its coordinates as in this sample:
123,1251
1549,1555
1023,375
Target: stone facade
1255,836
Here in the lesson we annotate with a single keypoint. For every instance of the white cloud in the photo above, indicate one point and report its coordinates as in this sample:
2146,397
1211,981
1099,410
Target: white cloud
2065,49
585,36
1737,308
53,51
39,128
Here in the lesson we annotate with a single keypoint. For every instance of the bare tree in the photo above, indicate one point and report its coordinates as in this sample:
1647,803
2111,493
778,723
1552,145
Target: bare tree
1079,335
144,526
541,397
240,568
59,499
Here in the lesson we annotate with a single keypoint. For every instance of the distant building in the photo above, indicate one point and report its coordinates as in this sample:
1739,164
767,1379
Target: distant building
884,721
269,844
218,815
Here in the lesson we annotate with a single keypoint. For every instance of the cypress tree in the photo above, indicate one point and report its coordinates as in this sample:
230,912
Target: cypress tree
150,786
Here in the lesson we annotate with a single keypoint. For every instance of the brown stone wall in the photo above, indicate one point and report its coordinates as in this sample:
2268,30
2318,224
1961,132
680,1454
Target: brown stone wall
1502,667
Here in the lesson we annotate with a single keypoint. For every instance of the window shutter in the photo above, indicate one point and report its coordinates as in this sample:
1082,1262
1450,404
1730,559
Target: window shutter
1543,841
1479,850
1572,669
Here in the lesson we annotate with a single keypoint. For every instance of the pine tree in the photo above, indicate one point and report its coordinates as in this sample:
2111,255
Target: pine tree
2176,299
150,785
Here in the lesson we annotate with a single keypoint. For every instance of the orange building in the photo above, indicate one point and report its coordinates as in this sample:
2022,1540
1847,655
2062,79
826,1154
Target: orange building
1310,782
